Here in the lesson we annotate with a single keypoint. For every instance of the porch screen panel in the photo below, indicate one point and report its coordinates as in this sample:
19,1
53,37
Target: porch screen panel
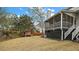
57,21
77,19
67,20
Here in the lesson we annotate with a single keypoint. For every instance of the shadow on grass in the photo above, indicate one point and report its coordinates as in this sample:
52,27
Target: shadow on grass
11,37
52,38
58,39
8,38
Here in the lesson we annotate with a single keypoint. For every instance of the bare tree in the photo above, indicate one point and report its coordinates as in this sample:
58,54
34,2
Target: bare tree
38,15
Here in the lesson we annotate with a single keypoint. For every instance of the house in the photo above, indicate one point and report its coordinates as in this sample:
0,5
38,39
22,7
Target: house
64,24
38,27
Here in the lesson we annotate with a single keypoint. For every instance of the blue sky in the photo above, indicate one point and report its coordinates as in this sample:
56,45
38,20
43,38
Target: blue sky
25,10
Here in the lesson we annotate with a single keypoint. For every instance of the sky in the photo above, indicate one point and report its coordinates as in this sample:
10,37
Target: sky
25,10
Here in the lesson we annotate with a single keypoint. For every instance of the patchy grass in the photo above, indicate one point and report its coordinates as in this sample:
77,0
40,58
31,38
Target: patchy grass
36,43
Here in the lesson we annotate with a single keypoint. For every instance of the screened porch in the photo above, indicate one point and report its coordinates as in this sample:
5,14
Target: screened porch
55,22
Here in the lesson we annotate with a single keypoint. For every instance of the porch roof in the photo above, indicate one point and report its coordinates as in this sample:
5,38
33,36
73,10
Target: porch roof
52,17
72,10
66,10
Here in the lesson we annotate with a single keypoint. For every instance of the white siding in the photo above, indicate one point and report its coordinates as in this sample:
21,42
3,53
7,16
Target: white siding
46,24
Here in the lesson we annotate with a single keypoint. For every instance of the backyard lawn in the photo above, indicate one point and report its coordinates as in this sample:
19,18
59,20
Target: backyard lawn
36,43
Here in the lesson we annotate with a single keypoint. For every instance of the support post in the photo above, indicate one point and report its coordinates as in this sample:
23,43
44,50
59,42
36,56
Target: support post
61,26
74,21
53,23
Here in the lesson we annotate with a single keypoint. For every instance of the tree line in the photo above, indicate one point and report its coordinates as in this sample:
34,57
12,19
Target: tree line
11,22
